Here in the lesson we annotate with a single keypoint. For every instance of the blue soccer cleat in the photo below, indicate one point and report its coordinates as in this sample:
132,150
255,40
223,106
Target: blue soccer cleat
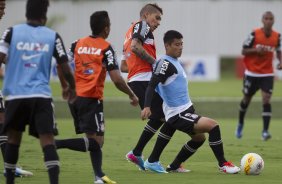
137,160
155,167
239,130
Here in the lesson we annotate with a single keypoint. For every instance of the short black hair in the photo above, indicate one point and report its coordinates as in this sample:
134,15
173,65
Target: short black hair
36,9
98,21
151,8
170,35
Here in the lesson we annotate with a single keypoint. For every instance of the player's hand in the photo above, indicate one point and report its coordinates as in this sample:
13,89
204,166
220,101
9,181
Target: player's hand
279,66
65,93
134,100
145,113
261,51
69,95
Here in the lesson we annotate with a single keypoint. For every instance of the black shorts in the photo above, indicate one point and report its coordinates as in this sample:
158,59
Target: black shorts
38,113
88,115
185,121
252,84
139,88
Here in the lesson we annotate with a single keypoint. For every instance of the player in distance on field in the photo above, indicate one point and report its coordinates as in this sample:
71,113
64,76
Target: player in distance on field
170,82
258,50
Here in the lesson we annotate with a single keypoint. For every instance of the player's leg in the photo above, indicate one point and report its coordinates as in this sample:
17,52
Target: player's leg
3,137
12,154
152,126
164,136
177,122
186,152
42,126
51,158
210,126
15,117
250,86
266,92
3,141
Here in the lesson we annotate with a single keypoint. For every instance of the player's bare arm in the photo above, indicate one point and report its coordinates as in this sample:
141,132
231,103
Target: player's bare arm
279,57
2,58
250,51
123,66
68,76
136,47
122,86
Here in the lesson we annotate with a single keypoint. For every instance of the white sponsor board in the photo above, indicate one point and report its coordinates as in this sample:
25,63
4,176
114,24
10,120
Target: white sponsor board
198,68
201,68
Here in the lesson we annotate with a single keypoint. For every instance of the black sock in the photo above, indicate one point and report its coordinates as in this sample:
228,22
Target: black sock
3,141
187,151
11,159
52,163
148,132
242,112
96,157
76,144
216,145
266,116
163,139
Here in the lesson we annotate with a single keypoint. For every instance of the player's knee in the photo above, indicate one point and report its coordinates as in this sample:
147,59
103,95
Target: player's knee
201,138
93,145
155,123
167,130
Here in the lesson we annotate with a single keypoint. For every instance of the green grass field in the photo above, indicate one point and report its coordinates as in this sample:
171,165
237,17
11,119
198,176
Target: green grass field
121,136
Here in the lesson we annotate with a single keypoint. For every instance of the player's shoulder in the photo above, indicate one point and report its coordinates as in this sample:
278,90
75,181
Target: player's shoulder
276,32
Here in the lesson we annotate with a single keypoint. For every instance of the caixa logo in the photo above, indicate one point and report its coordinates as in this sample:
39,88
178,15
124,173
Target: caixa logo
33,46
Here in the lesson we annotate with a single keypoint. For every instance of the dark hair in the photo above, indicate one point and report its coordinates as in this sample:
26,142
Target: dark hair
151,8
36,9
98,21
170,35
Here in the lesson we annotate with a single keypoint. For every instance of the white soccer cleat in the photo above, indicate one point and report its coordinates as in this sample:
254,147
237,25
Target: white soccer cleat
22,173
181,169
229,168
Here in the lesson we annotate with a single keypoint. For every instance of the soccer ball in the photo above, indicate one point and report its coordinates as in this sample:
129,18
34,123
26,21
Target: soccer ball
252,164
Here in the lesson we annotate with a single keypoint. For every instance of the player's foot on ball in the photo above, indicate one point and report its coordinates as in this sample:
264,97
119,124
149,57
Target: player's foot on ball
229,168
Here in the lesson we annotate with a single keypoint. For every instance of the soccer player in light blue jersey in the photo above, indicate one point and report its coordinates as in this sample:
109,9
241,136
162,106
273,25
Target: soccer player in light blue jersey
27,50
170,82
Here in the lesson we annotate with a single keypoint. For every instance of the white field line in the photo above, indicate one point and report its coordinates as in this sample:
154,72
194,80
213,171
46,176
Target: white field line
195,99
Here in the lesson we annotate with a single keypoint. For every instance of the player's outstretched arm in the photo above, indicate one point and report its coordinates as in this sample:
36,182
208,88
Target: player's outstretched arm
122,86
